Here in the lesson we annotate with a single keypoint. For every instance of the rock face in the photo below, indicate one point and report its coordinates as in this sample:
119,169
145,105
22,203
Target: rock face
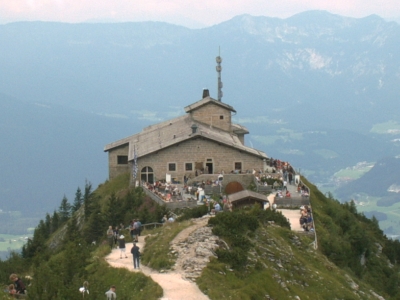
194,252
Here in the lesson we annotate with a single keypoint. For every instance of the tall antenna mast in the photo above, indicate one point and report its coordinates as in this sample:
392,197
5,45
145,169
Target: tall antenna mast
219,69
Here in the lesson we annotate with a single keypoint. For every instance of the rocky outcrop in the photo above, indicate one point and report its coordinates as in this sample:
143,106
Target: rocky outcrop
194,252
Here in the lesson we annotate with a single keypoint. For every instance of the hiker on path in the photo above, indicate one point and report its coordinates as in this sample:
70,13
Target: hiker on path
116,233
136,255
110,236
121,242
139,227
111,295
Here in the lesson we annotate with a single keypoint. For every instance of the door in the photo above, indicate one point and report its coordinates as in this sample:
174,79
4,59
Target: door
233,187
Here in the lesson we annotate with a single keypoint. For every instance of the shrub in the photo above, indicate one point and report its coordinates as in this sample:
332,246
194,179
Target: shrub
196,212
270,215
234,227
236,257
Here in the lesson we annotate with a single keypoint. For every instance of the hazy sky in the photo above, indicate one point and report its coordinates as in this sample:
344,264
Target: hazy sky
185,12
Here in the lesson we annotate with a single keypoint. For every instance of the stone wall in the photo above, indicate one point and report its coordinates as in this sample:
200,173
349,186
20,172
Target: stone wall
215,115
244,179
114,169
194,151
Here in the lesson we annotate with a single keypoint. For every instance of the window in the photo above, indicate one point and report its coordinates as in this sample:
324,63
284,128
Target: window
122,159
221,117
147,175
188,167
172,167
238,166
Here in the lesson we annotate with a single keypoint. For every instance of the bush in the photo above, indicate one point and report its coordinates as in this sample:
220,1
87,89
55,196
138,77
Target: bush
236,222
196,212
270,215
234,227
236,258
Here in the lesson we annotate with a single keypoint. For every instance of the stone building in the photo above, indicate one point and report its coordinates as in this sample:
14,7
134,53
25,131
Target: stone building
203,141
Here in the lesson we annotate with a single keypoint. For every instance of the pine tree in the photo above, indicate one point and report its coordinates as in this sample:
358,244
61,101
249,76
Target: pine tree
64,210
113,210
37,243
87,199
78,200
55,221
96,226
72,233
47,223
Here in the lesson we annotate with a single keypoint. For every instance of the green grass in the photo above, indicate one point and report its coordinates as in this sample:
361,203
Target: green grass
129,285
119,183
278,269
157,251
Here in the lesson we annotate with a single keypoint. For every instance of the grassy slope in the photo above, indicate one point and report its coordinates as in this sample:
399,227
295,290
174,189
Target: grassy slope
98,273
157,244
279,268
283,264
129,285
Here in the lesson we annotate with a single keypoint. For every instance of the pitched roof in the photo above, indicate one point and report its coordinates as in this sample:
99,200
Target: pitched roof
162,135
237,128
247,194
205,101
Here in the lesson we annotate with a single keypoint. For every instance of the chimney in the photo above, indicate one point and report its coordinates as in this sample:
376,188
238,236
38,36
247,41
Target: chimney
206,93
194,128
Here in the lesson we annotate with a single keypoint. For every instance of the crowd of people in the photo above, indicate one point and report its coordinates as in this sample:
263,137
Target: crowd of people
166,191
306,220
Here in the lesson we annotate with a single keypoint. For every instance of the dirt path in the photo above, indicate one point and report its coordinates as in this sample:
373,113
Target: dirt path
172,283
293,215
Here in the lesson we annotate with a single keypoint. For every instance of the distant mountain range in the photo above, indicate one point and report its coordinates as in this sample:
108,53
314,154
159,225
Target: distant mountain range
309,88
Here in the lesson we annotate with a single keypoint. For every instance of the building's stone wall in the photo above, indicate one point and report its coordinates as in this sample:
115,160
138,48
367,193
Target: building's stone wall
114,169
211,114
244,179
197,151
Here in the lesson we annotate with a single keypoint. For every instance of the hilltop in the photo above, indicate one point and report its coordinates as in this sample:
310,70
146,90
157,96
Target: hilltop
258,257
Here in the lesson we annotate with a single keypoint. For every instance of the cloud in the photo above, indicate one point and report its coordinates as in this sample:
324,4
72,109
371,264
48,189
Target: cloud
258,120
146,115
117,116
207,12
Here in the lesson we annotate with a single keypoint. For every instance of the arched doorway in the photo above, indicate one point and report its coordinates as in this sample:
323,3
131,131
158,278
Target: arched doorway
233,187
147,175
